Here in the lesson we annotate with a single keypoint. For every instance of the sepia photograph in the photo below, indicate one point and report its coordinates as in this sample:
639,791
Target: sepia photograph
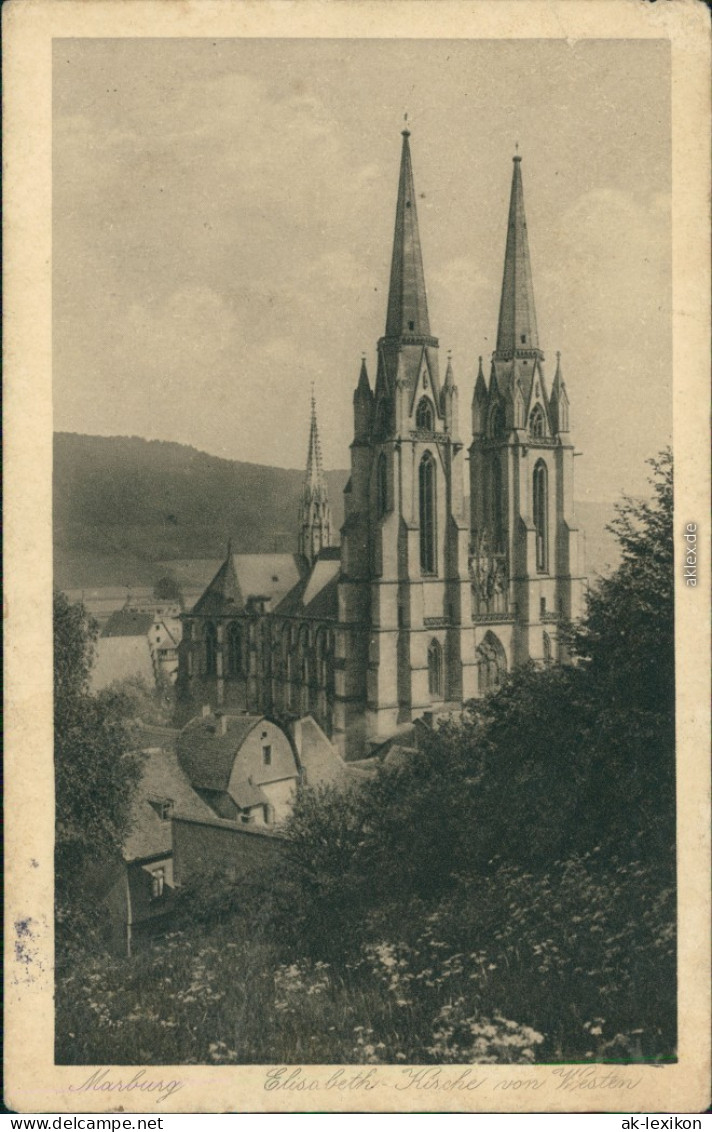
364,563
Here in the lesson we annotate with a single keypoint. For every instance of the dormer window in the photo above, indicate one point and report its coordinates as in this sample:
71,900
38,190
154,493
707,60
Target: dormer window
163,807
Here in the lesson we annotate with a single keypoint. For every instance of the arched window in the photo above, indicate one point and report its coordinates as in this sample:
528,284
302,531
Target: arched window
435,670
426,484
234,649
537,423
498,423
491,663
497,504
211,649
424,414
546,642
541,516
382,485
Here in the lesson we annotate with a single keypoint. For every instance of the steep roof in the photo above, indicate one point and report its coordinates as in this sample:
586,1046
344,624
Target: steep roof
245,576
127,623
316,594
517,329
206,756
407,302
162,780
119,658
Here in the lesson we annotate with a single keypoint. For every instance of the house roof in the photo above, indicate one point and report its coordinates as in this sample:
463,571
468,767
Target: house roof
127,623
322,763
119,658
162,779
208,757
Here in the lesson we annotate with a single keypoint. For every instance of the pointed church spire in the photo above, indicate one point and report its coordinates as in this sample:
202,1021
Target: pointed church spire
314,511
314,477
517,330
407,303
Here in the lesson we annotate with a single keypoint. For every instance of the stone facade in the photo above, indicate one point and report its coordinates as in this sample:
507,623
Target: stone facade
424,606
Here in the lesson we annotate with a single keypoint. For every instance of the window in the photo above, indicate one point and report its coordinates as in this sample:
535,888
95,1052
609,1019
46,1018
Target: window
158,877
524,339
497,504
211,649
435,670
541,517
234,649
491,663
411,325
498,423
426,483
163,807
382,485
542,606
267,755
537,424
268,814
424,414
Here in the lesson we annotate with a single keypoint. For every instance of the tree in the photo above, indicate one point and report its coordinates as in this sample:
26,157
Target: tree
577,759
95,773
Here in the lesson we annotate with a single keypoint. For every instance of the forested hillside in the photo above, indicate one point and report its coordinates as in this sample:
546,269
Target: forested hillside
122,505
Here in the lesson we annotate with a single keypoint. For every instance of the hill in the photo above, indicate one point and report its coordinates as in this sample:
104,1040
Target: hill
124,507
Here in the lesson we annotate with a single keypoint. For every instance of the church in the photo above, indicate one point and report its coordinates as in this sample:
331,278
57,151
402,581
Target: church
429,598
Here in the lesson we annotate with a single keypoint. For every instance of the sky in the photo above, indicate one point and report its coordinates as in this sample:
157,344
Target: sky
223,221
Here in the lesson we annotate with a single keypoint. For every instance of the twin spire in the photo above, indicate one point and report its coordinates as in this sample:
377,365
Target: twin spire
517,331
407,302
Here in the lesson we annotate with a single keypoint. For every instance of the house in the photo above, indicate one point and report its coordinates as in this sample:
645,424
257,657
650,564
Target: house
211,800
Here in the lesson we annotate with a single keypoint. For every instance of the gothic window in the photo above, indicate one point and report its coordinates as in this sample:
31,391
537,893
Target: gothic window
382,485
497,505
491,663
541,517
211,649
498,423
426,483
435,670
546,641
424,414
537,424
234,649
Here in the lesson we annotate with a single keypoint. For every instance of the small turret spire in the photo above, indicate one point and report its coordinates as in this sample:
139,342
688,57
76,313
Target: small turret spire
517,329
314,510
407,303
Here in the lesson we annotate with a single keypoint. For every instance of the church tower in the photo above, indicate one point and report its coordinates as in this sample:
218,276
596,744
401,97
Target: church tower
314,510
525,566
405,537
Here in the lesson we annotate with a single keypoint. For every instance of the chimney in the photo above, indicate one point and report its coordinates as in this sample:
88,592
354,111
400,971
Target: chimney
222,723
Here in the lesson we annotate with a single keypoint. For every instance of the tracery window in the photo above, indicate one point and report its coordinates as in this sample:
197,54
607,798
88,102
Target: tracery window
498,423
537,423
382,485
427,500
491,663
424,414
541,516
211,649
435,670
234,649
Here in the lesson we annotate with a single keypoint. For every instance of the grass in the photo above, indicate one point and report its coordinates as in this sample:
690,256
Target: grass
575,965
